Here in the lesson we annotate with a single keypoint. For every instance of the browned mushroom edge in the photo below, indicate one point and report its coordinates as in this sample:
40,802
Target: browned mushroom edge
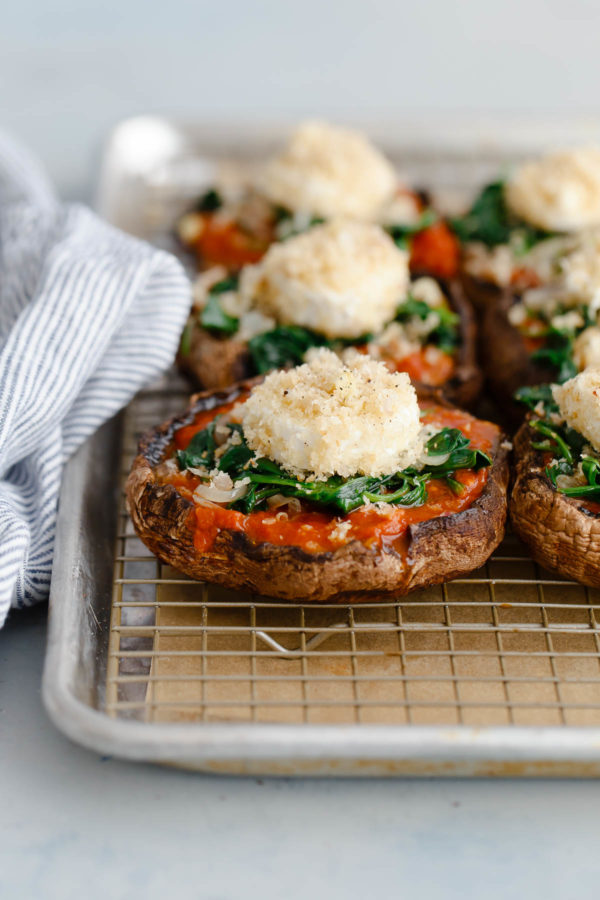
560,532
214,362
436,550
480,292
506,361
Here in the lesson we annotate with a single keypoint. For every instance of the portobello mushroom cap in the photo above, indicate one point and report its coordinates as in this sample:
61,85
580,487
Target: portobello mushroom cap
433,551
561,534
506,361
480,292
214,363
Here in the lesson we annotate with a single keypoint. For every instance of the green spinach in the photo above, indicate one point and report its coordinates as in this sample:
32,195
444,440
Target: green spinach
540,393
286,345
212,316
209,202
445,335
490,221
401,234
185,344
557,352
282,346
215,319
286,225
449,450
200,452
564,443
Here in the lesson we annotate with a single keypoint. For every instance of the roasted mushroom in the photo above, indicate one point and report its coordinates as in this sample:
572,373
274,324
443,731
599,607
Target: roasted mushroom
452,536
480,293
507,358
561,532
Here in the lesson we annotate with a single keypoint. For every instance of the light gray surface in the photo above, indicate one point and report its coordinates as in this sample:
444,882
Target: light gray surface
75,825
69,70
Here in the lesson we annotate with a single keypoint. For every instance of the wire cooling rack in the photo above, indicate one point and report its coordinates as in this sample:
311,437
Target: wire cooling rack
509,645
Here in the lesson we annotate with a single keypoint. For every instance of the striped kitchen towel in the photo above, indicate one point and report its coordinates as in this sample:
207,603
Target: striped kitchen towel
87,316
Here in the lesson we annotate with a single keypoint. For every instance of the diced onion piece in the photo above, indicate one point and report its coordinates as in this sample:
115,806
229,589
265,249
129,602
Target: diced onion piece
438,460
278,500
218,495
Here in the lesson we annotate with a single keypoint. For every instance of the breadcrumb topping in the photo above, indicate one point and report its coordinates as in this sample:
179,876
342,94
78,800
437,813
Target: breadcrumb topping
342,279
586,349
328,417
579,403
560,191
329,171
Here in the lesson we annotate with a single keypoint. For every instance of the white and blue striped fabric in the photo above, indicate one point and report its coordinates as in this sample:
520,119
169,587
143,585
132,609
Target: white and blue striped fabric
88,315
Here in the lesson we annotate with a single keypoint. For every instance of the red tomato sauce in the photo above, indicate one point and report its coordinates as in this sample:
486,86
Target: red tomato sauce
531,342
224,243
317,531
435,250
184,434
429,365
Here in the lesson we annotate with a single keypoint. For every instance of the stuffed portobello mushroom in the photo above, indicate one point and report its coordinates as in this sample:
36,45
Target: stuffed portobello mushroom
515,228
555,501
549,333
323,480
324,172
341,284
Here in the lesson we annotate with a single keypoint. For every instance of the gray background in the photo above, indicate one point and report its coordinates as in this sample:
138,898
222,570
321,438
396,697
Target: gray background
73,824
70,68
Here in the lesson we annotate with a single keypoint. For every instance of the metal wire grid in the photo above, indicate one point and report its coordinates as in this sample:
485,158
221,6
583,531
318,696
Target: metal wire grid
508,645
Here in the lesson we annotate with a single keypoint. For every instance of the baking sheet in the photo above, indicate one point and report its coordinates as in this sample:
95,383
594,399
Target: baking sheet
498,673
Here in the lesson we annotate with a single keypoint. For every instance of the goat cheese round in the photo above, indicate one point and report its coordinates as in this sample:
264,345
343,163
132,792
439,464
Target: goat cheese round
586,349
342,279
329,417
579,403
329,171
559,192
